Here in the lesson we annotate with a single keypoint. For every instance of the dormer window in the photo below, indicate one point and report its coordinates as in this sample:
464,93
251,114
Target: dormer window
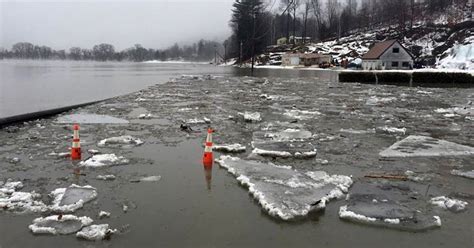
396,50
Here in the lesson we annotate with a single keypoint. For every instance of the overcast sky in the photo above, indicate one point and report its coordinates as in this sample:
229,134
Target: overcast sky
154,24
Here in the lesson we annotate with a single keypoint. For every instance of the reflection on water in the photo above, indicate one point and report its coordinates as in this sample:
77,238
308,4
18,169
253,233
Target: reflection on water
208,176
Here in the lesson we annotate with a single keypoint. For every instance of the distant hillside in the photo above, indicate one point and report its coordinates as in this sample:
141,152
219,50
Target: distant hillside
438,43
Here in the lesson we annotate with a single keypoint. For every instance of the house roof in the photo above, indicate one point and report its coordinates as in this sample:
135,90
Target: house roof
378,49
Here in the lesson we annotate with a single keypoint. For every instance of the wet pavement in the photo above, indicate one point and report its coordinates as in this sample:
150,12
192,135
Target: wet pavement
307,129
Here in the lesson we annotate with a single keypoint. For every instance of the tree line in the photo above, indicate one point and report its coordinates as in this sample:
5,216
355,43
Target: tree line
204,50
257,24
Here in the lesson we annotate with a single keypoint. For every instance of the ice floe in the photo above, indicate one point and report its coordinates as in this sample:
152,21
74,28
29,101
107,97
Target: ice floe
392,130
95,232
19,202
103,214
285,135
301,114
101,160
370,209
467,174
252,117
353,131
284,149
146,179
284,192
233,148
145,116
106,177
121,140
423,146
373,100
59,224
451,204
90,119
68,200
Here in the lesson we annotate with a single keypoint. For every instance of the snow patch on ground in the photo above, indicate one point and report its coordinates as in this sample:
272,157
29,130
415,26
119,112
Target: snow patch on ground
252,117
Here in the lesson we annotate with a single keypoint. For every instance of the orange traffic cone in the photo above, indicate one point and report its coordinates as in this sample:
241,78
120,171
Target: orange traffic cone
76,144
208,159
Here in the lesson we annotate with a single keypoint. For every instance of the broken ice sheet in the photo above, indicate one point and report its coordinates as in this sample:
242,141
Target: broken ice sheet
301,114
423,146
372,210
252,116
284,149
234,148
284,192
451,204
59,224
68,200
84,118
285,135
101,160
95,232
466,174
121,140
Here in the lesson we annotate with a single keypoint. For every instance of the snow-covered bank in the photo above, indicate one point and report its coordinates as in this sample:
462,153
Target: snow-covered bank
174,62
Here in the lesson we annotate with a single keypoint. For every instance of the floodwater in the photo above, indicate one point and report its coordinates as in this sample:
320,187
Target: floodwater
28,86
193,206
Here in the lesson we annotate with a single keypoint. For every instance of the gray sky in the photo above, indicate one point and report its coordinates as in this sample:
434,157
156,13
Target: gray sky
154,24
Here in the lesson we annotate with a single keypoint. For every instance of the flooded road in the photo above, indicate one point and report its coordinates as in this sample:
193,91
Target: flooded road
28,86
349,125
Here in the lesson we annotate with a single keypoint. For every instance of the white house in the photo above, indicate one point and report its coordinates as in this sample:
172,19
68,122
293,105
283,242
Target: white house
387,55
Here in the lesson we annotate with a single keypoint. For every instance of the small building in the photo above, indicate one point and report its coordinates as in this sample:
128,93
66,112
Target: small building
305,59
282,41
387,55
290,59
293,40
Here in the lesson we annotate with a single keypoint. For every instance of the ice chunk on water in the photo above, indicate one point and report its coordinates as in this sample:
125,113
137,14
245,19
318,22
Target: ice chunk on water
422,146
90,119
95,232
106,177
121,140
147,179
392,130
229,148
467,174
449,203
366,209
283,192
59,224
145,116
104,214
301,114
373,100
353,131
101,160
22,202
296,149
68,200
252,117
285,135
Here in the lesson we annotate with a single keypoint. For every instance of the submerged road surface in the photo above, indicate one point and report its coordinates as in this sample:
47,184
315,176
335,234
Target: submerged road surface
315,163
